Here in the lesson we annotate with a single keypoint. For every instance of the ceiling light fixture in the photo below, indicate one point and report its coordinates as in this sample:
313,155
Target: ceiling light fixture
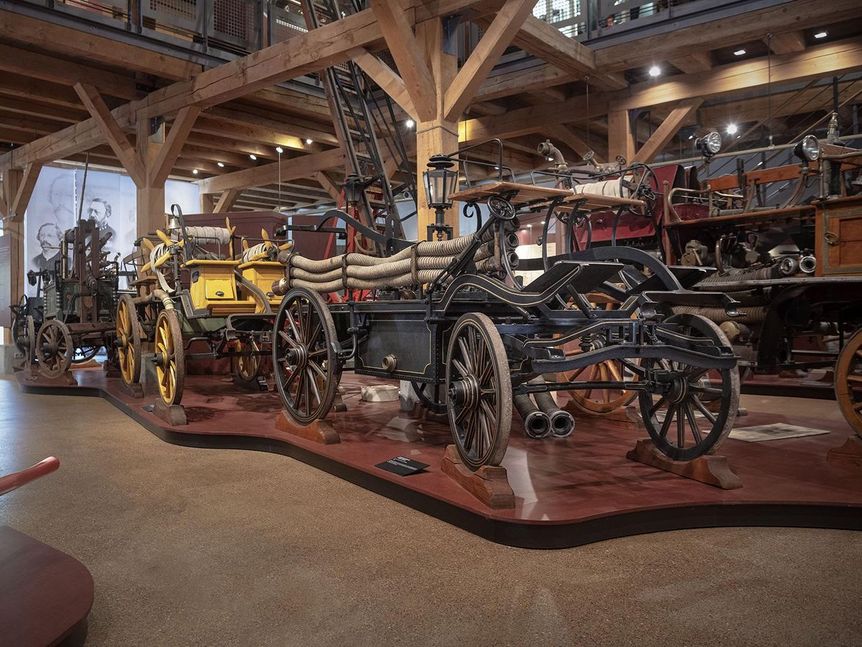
821,34
739,52
279,150
220,164
195,172
252,157
309,141
731,129
410,123
655,71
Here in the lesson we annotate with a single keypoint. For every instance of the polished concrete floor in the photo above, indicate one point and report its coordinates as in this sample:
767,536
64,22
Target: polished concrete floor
221,547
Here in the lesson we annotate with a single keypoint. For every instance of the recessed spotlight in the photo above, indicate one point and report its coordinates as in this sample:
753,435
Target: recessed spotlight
731,129
309,141
220,164
655,71
195,172
410,123
252,157
739,52
279,150
821,34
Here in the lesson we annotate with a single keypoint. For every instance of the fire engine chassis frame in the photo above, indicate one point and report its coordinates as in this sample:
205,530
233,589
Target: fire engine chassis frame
484,342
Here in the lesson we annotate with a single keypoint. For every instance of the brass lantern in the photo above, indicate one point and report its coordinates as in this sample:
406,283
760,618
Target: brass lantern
441,183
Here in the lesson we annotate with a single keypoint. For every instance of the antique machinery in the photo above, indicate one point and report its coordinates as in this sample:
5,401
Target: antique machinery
75,302
449,313
197,298
785,245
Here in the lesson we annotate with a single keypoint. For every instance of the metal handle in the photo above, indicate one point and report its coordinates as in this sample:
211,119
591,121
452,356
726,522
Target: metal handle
831,238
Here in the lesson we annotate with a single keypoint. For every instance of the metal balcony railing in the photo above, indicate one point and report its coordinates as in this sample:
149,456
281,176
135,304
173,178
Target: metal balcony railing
233,26
588,20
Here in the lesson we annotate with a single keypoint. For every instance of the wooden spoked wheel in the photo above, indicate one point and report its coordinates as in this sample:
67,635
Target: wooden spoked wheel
599,402
129,338
602,401
691,409
479,391
169,357
246,363
54,349
848,381
305,356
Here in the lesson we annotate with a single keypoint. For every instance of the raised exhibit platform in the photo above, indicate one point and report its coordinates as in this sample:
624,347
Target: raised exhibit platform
567,491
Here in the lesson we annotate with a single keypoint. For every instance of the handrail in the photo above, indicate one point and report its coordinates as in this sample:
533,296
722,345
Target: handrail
22,477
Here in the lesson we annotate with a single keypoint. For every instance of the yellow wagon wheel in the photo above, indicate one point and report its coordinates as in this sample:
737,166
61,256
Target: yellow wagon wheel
169,357
848,381
246,364
129,337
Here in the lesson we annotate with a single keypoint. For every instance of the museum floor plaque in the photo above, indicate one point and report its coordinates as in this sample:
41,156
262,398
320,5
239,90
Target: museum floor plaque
567,491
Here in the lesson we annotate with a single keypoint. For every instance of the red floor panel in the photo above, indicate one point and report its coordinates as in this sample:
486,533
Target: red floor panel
568,491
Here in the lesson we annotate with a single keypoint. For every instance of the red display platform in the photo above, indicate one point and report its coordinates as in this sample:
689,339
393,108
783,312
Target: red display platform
567,491
45,595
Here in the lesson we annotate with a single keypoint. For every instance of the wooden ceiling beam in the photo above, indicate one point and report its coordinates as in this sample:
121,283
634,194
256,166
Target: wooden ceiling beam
41,110
303,166
497,37
666,131
168,153
63,72
68,41
26,184
814,62
786,43
112,132
564,134
680,43
332,187
405,50
693,62
388,80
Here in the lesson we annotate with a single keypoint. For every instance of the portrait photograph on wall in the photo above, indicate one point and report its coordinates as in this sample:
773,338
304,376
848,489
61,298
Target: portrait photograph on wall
63,196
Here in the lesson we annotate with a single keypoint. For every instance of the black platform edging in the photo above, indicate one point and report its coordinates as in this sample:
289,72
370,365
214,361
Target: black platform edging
510,533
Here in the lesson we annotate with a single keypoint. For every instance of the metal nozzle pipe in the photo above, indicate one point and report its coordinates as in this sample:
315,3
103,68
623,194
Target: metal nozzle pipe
536,423
807,264
562,422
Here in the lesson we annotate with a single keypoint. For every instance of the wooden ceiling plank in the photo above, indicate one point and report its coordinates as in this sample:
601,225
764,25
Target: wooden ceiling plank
693,62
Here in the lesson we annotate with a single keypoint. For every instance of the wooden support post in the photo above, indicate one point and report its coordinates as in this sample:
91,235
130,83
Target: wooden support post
620,138
25,182
207,202
438,135
226,200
